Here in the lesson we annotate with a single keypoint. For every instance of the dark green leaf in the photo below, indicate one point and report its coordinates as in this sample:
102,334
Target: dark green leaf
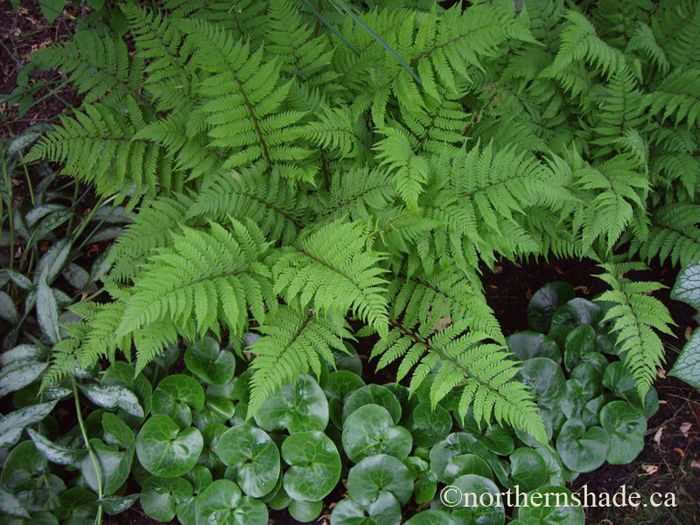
165,450
176,396
582,450
527,468
385,510
113,396
529,344
12,425
299,407
545,302
370,430
47,312
56,453
626,426
222,503
314,465
377,474
160,496
212,365
376,394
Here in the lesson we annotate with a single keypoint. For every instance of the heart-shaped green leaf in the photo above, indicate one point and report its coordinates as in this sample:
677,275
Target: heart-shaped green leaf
579,341
498,440
299,407
425,484
527,468
370,430
576,312
160,496
377,474
429,426
582,450
253,457
305,511
339,386
466,464
455,444
546,379
115,453
314,465
626,426
619,379
165,450
223,503
385,510
545,302
529,344
208,362
375,394
478,503
176,396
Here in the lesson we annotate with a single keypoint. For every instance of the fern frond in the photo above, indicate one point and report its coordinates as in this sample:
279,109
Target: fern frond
159,43
207,277
677,96
276,207
644,40
98,146
635,316
620,108
293,343
99,66
243,104
580,42
480,369
673,233
332,271
150,230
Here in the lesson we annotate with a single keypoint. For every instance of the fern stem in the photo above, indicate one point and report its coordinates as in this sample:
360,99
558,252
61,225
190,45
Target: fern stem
93,457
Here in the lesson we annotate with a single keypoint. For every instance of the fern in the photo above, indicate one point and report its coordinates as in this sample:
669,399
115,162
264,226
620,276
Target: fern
635,316
295,169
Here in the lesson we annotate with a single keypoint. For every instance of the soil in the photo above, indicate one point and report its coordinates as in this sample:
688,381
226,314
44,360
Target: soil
670,460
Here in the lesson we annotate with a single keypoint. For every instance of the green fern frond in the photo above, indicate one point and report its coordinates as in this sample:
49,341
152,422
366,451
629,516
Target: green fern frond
292,343
150,230
678,23
243,100
159,43
99,66
673,233
332,271
208,277
480,369
334,131
677,96
580,42
276,207
644,40
621,108
98,146
635,316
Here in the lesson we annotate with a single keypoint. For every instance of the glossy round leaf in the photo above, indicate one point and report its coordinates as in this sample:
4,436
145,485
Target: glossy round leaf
551,509
176,396
527,468
385,510
370,430
300,406
466,464
253,456
165,450
546,379
580,341
582,450
455,444
305,511
626,426
314,465
208,362
479,503
576,312
340,385
376,474
528,344
545,302
498,440
374,394
429,426
160,496
223,503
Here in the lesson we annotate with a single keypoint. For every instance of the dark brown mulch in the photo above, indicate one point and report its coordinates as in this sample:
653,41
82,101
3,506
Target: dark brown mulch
21,33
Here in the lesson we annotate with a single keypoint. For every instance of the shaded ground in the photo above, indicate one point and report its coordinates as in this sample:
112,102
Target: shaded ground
673,440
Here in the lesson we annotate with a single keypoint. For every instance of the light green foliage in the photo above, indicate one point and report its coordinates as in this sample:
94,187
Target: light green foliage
294,173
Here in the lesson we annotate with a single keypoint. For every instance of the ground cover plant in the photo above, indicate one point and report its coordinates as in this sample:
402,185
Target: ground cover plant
319,175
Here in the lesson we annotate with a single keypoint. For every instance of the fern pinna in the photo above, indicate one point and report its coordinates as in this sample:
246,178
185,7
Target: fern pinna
319,179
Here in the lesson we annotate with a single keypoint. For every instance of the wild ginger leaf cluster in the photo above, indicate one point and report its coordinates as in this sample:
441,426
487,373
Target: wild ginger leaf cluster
291,175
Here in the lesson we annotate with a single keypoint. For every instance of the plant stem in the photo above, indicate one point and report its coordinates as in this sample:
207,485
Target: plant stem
93,457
